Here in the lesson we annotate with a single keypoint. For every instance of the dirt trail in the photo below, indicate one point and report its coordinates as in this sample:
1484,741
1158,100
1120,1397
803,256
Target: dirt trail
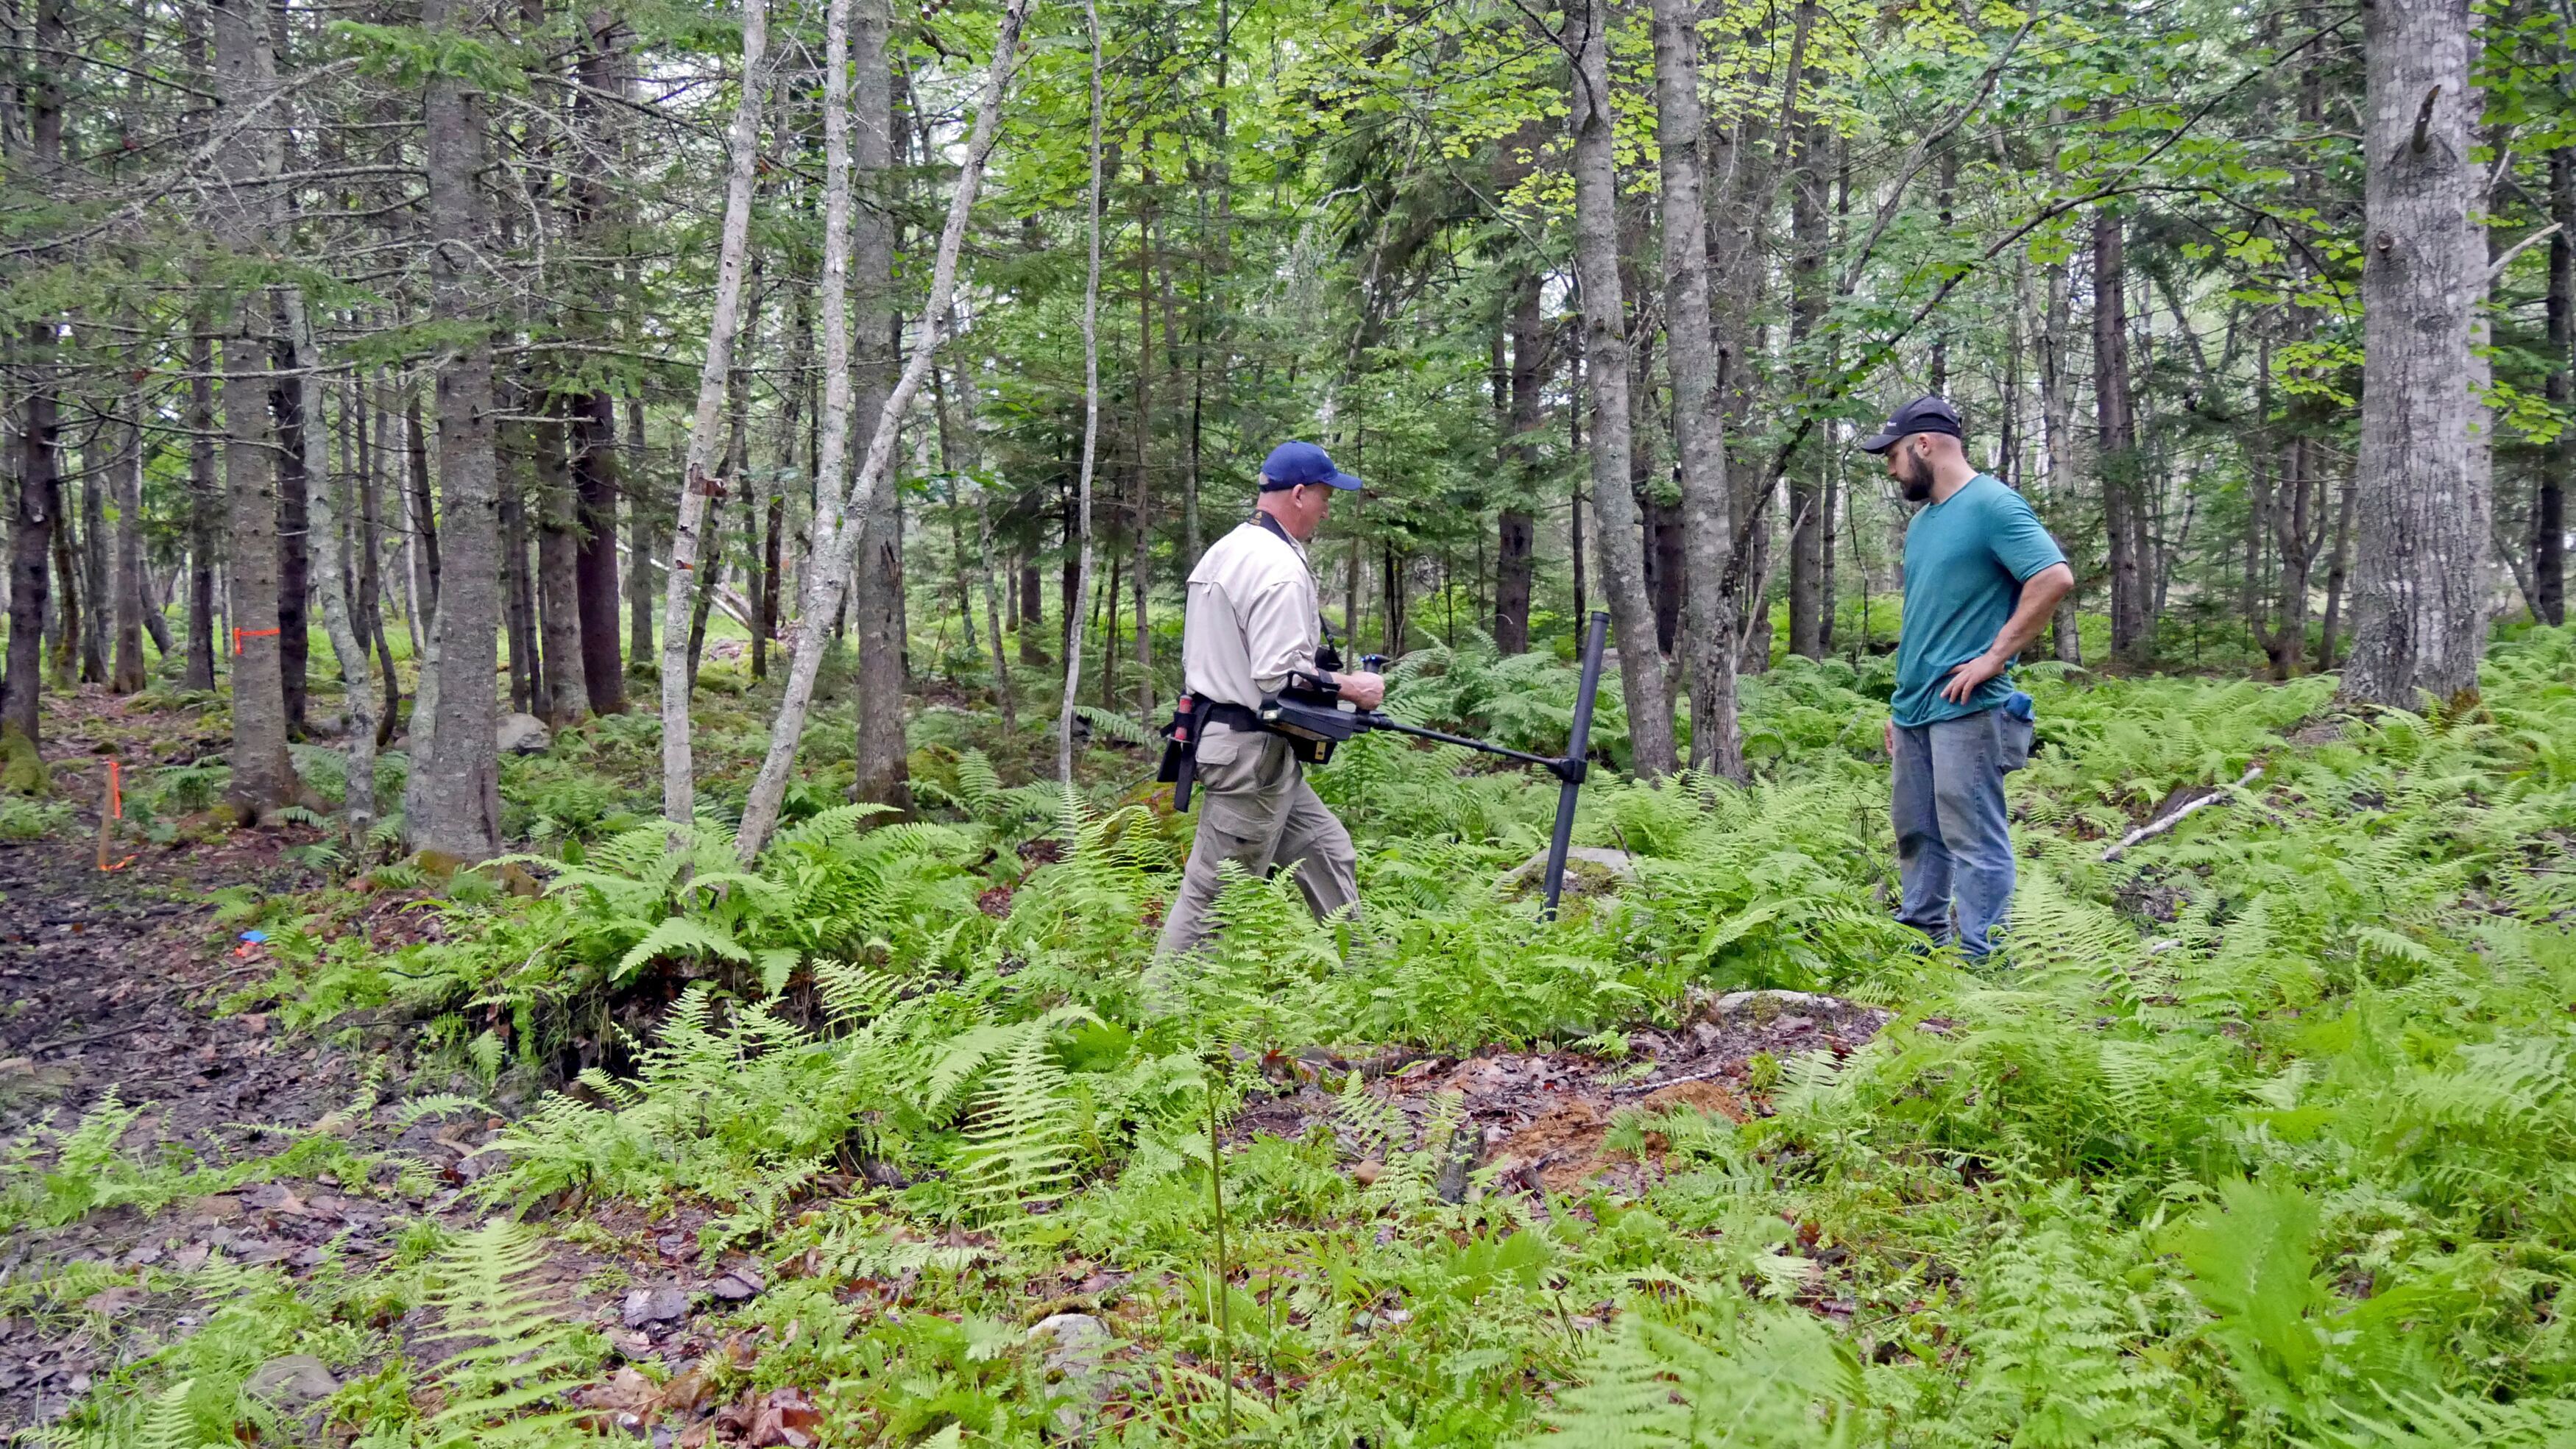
108,985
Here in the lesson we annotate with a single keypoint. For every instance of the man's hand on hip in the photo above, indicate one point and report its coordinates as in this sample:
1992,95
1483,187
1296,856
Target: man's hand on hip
1364,689
1964,680
1891,738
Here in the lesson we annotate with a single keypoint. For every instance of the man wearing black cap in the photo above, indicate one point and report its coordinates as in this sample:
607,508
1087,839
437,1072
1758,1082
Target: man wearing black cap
1981,577
1252,625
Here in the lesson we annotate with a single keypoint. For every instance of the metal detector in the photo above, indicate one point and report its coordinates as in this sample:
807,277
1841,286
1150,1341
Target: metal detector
1310,717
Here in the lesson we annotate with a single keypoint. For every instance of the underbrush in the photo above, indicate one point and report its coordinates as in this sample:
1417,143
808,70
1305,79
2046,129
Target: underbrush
2262,1134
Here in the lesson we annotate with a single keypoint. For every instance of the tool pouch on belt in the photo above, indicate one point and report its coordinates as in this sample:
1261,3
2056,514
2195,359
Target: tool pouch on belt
1181,752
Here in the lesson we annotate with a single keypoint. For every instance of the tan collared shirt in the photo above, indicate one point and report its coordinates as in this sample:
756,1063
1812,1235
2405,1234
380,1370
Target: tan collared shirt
1252,617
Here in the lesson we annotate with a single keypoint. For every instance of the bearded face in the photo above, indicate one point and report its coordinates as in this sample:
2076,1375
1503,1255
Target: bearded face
1913,473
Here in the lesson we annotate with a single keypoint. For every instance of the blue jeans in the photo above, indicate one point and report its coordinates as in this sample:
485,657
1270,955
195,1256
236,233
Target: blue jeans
1953,843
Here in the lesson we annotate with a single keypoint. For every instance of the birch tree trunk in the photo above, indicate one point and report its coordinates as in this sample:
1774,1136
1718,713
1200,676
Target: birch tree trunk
697,489
323,516
262,779
837,533
1605,349
452,804
1699,421
2419,577
1079,607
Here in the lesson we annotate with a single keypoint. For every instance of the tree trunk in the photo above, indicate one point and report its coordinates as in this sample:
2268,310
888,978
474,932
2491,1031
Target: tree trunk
262,779
452,805
2337,570
1741,157
1080,603
595,488
1139,523
876,602
293,544
559,571
518,615
970,455
697,487
1605,349
38,504
371,433
2123,508
2549,500
1811,522
2419,582
204,507
765,522
2057,418
828,570
66,628
1032,614
1516,532
322,512
102,460
424,513
643,530
593,439
126,585
32,523
1699,413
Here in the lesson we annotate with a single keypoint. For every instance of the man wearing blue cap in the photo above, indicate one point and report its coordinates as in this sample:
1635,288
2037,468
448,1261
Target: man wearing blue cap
1252,625
1981,577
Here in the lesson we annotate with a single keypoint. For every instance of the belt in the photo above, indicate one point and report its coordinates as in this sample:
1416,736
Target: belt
1191,715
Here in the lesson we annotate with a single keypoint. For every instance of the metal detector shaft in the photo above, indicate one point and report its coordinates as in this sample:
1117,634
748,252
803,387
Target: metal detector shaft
1418,732
1578,745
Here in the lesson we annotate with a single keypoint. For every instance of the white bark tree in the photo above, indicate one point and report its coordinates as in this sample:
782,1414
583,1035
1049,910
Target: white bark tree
697,484
839,528
1081,608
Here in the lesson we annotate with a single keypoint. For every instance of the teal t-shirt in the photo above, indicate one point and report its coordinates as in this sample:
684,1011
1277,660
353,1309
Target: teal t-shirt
1965,560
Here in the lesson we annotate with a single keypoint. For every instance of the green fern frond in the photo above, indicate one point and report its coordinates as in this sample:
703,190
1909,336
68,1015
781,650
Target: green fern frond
514,1351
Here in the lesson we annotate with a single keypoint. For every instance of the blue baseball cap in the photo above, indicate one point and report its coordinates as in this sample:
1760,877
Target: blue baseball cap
1291,464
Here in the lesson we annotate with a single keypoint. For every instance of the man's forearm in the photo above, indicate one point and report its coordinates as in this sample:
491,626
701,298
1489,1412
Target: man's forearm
2039,598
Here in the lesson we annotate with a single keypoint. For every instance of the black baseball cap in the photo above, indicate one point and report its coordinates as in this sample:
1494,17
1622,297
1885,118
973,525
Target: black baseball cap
1293,463
1930,413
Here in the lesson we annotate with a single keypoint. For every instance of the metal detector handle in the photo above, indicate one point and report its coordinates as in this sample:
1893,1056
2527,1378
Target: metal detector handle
1578,745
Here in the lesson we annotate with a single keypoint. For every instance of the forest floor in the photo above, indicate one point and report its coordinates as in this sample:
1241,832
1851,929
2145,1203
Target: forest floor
122,988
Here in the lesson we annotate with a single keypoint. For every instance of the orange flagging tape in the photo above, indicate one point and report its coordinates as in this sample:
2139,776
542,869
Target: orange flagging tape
115,792
240,634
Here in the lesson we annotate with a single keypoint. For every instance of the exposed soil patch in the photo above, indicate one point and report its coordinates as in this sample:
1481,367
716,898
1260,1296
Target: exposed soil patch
1542,1117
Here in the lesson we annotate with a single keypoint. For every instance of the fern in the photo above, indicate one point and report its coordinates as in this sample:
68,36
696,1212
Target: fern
513,1353
1021,1137
1776,1379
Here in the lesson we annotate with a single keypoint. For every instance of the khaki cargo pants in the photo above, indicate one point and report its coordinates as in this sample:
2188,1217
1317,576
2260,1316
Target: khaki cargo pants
1256,809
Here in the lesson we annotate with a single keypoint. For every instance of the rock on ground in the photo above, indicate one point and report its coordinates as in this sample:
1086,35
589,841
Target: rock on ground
522,734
